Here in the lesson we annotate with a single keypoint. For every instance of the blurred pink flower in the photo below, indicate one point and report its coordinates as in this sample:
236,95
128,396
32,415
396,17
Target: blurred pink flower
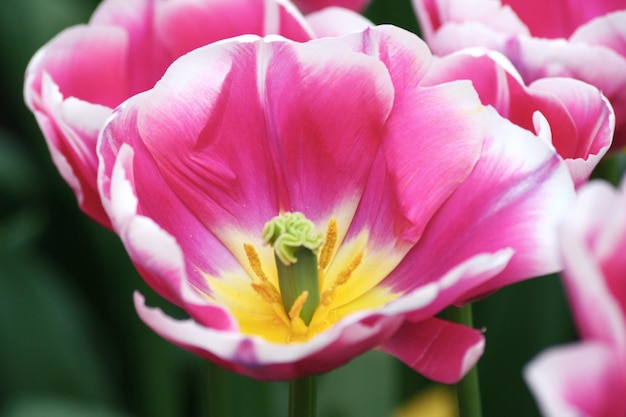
425,197
588,378
75,80
312,5
571,115
585,40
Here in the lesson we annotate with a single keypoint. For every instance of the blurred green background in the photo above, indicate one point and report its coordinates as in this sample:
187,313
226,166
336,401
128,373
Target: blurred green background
71,343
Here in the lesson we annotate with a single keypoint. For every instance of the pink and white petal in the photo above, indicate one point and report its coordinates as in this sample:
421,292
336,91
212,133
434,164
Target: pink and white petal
124,14
70,127
428,16
189,24
242,168
429,127
145,55
545,19
493,76
591,235
308,6
219,164
405,55
588,112
64,167
611,248
456,36
68,59
336,21
438,349
155,253
539,58
579,379
514,198
559,19
153,198
580,118
606,30
450,287
334,131
436,14
257,358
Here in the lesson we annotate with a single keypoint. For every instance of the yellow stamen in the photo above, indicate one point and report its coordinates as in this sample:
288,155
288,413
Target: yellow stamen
329,245
327,296
256,301
267,292
270,294
345,275
298,326
255,261
264,288
298,304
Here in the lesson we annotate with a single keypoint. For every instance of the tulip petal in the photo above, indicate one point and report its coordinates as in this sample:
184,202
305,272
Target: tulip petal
182,25
335,21
591,238
428,128
559,19
257,358
68,60
148,198
582,379
580,118
71,128
334,132
600,39
518,185
588,116
308,6
439,350
434,14
452,286
608,31
243,168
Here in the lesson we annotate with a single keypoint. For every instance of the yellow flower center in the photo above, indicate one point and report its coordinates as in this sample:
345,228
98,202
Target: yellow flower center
348,276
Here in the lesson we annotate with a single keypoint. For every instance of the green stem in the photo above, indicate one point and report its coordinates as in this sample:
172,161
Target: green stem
216,399
303,397
468,389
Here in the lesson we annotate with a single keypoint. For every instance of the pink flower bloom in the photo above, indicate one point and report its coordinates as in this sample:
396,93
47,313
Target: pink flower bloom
577,39
588,378
74,81
425,198
312,5
574,116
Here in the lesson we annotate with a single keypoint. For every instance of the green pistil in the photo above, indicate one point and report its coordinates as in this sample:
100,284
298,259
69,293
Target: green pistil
295,245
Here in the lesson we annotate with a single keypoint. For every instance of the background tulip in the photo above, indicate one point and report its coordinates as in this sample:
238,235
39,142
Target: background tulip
574,116
76,79
589,377
312,5
583,40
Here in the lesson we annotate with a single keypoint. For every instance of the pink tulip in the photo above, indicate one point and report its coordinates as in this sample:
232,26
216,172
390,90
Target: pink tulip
312,5
588,378
76,79
577,39
422,196
574,116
